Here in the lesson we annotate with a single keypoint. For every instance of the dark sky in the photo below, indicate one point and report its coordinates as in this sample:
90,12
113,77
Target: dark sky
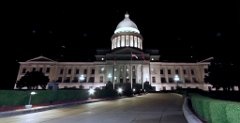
73,31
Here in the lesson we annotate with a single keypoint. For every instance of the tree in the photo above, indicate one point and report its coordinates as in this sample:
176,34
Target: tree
223,74
32,80
147,86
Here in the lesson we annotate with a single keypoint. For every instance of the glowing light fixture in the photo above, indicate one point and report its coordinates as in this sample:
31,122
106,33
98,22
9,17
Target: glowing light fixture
109,75
81,77
91,91
119,90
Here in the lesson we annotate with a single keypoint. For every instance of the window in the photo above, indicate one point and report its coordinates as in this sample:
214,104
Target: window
61,71
122,41
24,70
121,80
176,71
91,79
127,41
161,71
163,80
205,70
75,80
139,43
114,43
170,80
67,80
131,41
135,41
164,88
48,70
69,71
187,80
184,71
40,69
169,71
85,71
192,72
34,69
93,71
194,80
101,79
154,79
118,41
77,71
59,79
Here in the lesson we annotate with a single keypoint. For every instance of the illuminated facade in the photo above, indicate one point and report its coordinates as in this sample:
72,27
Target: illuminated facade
125,62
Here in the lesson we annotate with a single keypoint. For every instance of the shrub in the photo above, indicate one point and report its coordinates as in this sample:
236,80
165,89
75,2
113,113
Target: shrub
15,98
217,111
206,110
233,113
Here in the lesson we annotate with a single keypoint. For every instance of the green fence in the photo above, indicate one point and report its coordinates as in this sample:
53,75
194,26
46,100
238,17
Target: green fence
216,111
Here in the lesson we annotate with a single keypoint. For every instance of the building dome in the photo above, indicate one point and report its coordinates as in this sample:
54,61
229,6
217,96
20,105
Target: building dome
126,25
127,35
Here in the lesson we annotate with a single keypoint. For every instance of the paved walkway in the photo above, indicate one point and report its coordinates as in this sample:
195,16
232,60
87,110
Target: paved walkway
150,108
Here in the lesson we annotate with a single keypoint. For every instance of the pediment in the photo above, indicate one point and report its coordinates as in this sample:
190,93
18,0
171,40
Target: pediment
40,59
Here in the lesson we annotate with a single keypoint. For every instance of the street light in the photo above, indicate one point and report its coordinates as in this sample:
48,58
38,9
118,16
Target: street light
81,77
119,90
109,75
29,101
91,91
176,79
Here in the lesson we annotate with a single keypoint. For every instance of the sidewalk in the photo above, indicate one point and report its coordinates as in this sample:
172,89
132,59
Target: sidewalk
16,110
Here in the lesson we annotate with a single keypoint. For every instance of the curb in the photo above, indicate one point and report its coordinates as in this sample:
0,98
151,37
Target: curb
190,117
44,108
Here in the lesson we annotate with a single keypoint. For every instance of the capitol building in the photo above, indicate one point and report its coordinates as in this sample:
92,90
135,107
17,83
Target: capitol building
126,62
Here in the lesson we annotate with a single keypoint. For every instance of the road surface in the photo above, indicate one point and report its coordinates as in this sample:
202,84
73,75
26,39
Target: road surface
150,108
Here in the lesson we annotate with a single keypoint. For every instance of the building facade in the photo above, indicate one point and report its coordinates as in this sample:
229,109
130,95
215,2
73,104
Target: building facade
126,62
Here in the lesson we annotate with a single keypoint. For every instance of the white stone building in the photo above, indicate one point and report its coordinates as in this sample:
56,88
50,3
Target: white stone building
125,62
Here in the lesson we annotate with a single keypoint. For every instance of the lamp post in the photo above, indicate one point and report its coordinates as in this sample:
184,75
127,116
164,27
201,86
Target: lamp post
81,78
109,76
29,101
110,80
119,90
91,92
176,79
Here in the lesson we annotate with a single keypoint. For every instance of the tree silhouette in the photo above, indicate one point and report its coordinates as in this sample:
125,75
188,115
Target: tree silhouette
32,80
223,74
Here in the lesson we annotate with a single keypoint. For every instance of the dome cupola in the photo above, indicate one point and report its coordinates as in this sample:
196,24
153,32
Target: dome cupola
126,25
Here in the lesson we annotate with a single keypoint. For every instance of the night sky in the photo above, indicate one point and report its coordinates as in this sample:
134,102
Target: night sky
181,30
